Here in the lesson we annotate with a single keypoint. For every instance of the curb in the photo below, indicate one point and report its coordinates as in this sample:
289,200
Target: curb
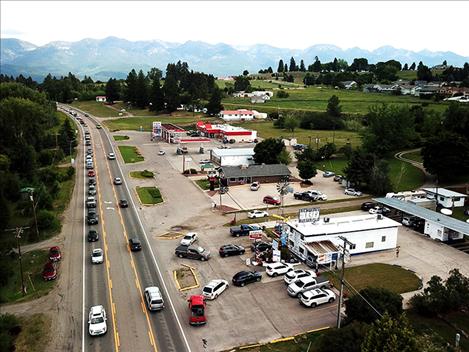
197,284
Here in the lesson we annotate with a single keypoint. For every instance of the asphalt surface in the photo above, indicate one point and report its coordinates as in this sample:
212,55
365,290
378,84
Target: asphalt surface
119,282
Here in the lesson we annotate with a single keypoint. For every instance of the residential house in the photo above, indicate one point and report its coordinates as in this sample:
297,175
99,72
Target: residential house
446,197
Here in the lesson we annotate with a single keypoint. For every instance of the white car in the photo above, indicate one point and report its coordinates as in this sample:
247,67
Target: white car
189,239
161,152
214,288
297,274
314,298
111,156
318,194
117,181
276,269
257,214
255,186
97,321
97,256
205,161
352,192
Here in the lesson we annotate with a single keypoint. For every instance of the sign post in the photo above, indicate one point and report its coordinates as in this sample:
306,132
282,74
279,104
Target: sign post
308,215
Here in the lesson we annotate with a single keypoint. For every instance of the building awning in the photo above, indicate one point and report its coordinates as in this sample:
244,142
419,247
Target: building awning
324,251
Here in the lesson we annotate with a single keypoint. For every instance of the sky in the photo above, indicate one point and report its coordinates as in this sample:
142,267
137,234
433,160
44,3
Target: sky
287,24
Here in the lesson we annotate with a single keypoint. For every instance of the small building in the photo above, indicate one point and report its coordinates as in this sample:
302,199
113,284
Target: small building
101,98
446,197
349,84
237,115
261,173
232,157
368,233
226,132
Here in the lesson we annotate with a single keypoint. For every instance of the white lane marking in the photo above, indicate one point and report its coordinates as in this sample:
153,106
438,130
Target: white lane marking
107,202
151,252
110,208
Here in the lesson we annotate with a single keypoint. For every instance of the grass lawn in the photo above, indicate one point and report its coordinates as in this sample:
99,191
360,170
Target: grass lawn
134,123
130,154
416,156
33,263
65,193
95,108
120,138
315,98
142,174
204,184
391,277
458,213
149,195
34,335
134,111
266,129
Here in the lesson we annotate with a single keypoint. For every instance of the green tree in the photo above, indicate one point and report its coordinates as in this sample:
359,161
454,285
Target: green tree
346,339
358,168
333,106
112,90
171,93
156,97
379,183
241,83
308,154
280,66
306,169
66,137
405,68
131,87
284,157
141,90
268,151
245,72
423,72
302,66
291,123
390,334
326,151
316,67
214,104
382,299
412,67
293,66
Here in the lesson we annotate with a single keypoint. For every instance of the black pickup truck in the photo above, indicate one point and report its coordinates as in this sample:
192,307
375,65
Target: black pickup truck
243,230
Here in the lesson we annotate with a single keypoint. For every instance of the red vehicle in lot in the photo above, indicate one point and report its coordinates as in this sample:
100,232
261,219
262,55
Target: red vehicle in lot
91,173
197,308
49,272
271,200
54,254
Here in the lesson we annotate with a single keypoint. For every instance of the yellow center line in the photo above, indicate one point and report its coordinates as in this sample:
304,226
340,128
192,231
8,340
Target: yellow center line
137,281
108,273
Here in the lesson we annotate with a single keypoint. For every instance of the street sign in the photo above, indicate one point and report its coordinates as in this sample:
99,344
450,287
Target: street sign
255,235
308,215
276,255
274,244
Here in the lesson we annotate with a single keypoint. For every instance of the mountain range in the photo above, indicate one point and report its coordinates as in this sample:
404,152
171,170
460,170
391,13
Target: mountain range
115,57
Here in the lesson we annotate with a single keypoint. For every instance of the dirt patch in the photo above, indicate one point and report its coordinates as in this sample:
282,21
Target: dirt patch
170,235
179,228
185,278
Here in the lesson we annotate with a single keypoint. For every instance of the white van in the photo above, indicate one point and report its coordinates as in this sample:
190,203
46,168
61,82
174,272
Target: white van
153,298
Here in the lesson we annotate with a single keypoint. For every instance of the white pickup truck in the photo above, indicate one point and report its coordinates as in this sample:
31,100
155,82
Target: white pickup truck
306,284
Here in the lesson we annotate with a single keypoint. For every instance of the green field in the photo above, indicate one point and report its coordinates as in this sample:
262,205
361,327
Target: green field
134,111
391,277
130,154
315,99
149,195
33,263
95,108
120,138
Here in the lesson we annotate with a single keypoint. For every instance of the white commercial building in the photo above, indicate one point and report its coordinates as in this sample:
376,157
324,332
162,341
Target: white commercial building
446,197
232,157
241,115
319,242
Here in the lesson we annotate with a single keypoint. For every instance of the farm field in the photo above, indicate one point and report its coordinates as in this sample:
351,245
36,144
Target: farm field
95,108
316,98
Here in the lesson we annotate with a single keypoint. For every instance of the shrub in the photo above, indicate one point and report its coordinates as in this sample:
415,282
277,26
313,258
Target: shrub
186,172
146,173
193,171
9,328
46,220
70,172
282,94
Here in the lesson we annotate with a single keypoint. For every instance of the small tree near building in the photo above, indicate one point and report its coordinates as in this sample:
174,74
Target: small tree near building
306,169
333,106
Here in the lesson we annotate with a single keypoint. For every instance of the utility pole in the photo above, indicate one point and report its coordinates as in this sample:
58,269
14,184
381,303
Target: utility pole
341,292
183,162
18,231
219,190
34,212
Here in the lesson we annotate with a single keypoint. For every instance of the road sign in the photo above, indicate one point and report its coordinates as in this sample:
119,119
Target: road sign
276,255
274,244
255,235
308,215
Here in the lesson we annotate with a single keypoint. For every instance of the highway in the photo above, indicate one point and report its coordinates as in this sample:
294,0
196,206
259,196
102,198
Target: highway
119,282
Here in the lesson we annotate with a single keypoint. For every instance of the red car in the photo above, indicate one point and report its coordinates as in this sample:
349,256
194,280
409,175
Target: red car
91,173
54,254
271,200
49,272
197,308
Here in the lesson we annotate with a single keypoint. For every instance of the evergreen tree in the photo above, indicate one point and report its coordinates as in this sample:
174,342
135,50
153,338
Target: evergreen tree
156,97
412,67
406,67
333,106
281,66
141,90
112,90
214,104
316,65
130,87
285,69
302,66
171,93
66,138
293,66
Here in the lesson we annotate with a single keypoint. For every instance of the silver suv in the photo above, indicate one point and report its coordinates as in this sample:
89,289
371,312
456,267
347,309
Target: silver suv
153,298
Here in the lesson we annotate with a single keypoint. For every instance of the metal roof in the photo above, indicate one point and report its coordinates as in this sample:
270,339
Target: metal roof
427,214
233,152
256,170
444,192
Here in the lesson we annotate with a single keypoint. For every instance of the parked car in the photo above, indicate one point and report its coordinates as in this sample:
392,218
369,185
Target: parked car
255,186
214,288
244,230
161,152
97,321
189,239
328,174
49,272
153,298
91,181
91,173
92,190
54,254
299,147
352,192
261,246
111,156
306,284
123,203
338,178
297,274
314,298
379,210
257,214
306,196
88,143
91,202
231,249
92,218
197,309
93,236
97,256
271,200
317,194
117,181
135,244
205,161
276,269
246,277
98,127
192,252
368,205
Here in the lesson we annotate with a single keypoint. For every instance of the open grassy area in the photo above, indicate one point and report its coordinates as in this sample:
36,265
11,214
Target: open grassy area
95,108
33,263
130,154
204,184
142,174
391,277
145,123
315,98
416,156
149,195
134,111
34,335
120,138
